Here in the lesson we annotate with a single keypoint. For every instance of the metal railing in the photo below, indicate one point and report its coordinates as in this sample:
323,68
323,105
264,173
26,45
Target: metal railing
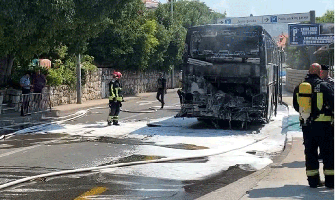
34,102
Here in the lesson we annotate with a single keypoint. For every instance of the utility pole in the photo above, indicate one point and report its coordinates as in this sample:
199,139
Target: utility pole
172,70
312,49
78,80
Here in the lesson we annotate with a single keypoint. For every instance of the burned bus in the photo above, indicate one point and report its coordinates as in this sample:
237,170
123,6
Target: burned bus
230,73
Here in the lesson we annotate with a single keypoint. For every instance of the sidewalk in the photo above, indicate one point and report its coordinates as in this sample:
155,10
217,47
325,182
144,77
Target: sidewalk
66,109
285,178
12,121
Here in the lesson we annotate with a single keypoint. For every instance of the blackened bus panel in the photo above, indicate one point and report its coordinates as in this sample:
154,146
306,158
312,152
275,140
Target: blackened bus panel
229,73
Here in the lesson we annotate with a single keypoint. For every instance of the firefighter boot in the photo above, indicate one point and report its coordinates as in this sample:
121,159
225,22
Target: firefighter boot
116,123
109,121
329,181
314,181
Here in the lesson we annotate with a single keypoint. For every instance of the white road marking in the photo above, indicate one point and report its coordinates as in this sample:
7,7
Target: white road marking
142,103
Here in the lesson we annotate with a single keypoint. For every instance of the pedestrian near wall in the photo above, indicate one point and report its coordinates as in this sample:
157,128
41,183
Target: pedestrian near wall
314,100
39,82
26,87
115,99
161,89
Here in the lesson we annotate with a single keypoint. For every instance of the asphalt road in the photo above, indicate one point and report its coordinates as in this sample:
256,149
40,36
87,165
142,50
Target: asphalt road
33,154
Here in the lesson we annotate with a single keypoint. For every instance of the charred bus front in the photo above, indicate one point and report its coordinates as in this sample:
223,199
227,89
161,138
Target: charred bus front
230,72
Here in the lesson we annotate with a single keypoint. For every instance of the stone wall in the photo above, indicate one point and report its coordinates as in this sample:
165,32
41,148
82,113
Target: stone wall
96,86
63,94
136,82
294,77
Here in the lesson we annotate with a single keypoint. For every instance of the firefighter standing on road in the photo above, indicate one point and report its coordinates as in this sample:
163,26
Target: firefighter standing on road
115,99
314,100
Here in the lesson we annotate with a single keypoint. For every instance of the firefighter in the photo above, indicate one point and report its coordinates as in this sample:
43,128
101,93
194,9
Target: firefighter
325,75
115,99
313,99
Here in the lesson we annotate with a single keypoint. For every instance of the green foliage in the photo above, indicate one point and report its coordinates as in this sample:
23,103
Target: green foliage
54,77
139,39
129,41
298,57
64,68
328,17
187,13
34,27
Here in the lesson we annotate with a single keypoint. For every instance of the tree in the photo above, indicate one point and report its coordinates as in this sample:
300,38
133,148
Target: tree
129,41
26,27
328,17
186,14
29,28
140,39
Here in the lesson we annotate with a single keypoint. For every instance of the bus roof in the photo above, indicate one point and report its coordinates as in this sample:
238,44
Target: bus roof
226,25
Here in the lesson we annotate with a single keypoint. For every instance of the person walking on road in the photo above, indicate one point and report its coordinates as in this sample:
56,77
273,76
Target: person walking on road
26,87
314,100
161,85
115,99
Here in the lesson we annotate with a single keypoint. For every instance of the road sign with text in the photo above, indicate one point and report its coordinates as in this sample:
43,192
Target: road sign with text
267,19
308,34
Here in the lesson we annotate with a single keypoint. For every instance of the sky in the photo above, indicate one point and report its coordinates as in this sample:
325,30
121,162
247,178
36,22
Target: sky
243,8
224,148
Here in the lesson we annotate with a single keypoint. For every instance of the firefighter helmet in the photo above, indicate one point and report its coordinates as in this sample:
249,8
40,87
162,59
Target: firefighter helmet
117,74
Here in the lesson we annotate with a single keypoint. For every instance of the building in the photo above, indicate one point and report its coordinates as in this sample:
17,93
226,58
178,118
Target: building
151,4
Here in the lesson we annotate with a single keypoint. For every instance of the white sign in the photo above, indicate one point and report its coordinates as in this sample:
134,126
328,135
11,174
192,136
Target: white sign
267,19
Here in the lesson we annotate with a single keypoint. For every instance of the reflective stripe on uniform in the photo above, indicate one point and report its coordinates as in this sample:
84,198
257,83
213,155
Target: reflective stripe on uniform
109,118
119,98
115,117
111,91
110,97
328,172
117,91
313,172
319,101
323,118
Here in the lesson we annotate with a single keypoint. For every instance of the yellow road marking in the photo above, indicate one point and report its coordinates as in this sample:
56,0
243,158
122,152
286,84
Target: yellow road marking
93,191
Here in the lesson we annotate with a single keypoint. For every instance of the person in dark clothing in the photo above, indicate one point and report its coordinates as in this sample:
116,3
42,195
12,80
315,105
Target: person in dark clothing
115,99
161,85
39,82
26,87
325,75
316,122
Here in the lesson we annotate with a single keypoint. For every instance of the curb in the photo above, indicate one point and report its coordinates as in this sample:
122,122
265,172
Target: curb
241,187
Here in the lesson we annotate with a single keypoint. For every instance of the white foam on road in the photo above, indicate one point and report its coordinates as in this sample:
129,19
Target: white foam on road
253,151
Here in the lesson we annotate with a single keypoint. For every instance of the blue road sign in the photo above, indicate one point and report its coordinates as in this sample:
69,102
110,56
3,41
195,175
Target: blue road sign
307,34
274,19
227,21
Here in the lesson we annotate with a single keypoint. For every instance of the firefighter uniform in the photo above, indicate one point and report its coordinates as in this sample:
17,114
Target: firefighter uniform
115,100
314,100
328,79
